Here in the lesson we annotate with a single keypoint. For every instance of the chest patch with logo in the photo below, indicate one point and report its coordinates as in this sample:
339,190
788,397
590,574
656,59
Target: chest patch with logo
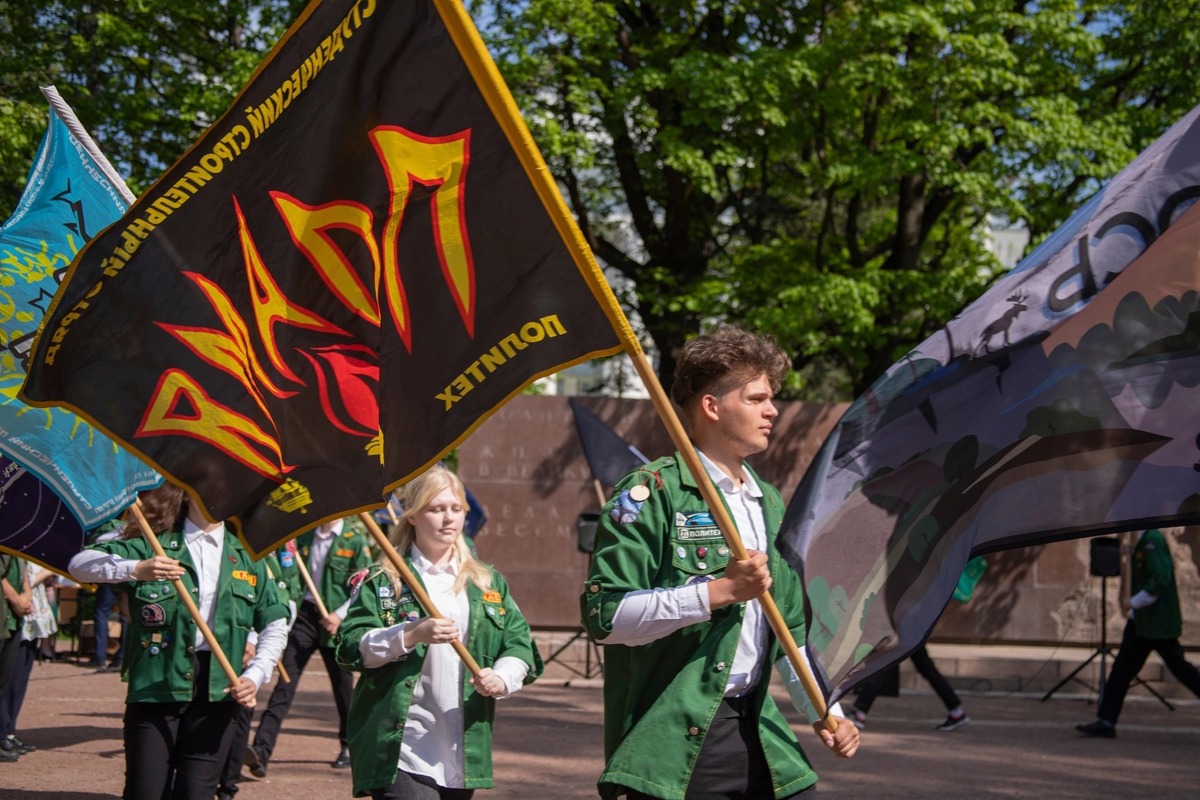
153,615
492,597
697,527
248,577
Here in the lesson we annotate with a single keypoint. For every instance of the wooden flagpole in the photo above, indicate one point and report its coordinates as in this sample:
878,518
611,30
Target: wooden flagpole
487,77
312,587
415,586
186,596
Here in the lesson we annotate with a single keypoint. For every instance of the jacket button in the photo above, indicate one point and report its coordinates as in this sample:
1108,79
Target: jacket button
187,675
191,648
720,666
408,684
693,731
594,588
399,726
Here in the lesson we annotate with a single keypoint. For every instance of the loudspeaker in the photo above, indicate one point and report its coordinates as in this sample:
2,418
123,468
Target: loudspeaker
585,531
1106,557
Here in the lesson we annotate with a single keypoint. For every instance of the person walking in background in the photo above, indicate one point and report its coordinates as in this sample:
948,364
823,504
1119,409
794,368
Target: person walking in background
231,775
1154,626
107,600
955,716
180,706
418,729
873,687
332,552
34,626
14,605
5,638
688,648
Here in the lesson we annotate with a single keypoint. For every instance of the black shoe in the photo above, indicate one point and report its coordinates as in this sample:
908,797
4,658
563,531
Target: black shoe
224,794
256,761
8,755
22,746
9,751
1100,729
343,759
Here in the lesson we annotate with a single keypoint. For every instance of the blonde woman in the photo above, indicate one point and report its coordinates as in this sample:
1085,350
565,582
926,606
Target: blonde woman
420,724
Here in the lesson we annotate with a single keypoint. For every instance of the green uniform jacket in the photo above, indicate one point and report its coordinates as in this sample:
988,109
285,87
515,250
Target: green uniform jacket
1154,572
382,695
14,573
291,585
660,697
5,560
159,650
348,555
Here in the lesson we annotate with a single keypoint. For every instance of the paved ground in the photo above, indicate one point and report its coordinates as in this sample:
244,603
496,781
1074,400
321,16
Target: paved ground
549,746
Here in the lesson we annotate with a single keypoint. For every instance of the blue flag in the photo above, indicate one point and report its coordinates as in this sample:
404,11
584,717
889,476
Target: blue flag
71,195
1060,404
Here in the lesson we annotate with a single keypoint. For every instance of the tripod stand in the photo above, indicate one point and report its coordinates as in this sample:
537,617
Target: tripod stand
591,649
585,527
1104,653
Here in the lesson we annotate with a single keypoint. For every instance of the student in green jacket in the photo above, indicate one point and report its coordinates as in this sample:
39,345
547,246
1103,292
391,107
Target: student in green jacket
688,651
1155,625
333,552
420,723
180,705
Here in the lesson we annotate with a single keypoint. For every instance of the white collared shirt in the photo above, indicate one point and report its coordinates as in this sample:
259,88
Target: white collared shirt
318,553
206,549
433,730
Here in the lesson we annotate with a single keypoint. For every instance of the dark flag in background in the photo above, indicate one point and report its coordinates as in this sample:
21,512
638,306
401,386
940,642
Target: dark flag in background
344,276
1061,404
476,516
37,525
609,457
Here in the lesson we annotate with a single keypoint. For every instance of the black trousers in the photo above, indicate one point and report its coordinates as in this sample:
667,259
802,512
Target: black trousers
419,787
731,764
177,750
303,641
1129,662
231,773
925,666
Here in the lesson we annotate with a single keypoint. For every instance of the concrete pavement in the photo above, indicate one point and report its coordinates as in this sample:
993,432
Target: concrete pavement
548,740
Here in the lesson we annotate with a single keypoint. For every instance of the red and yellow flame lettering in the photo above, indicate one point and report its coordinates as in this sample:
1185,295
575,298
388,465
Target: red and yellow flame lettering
180,406
409,158
346,370
309,227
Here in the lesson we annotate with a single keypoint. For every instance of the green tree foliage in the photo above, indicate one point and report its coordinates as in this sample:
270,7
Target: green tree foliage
826,170
145,77
821,170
